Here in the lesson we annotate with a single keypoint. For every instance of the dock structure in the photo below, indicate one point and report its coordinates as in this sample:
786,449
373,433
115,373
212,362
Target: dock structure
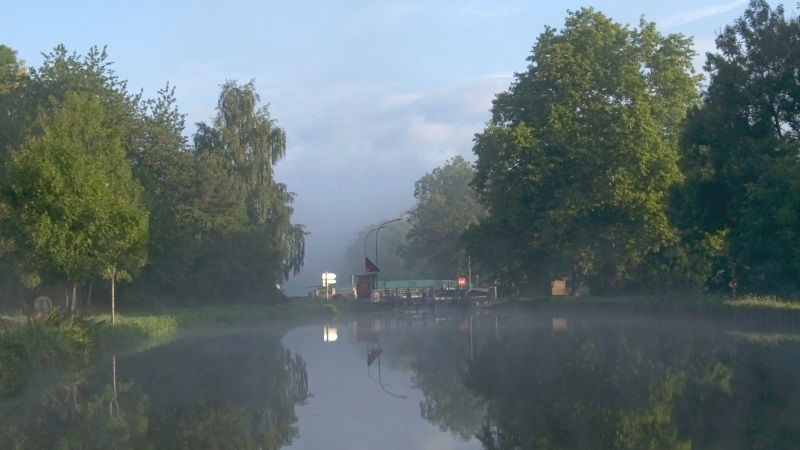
366,288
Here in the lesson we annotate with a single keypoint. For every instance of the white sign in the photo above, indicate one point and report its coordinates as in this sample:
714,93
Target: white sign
328,279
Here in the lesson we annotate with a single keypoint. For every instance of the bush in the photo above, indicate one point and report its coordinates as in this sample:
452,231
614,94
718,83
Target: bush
41,343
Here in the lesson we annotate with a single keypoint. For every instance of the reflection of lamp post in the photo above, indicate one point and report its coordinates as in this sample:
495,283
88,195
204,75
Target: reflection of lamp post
377,355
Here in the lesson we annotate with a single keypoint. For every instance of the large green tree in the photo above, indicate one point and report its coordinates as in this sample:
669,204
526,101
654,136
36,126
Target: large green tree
40,91
575,166
446,206
245,143
740,156
74,208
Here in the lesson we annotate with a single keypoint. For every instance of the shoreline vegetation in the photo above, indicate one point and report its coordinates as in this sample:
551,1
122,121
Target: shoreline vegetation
31,345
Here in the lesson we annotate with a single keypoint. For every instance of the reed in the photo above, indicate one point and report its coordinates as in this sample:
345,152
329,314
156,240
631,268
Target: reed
762,301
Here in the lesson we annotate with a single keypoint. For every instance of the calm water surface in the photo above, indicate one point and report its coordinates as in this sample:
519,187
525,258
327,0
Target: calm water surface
451,379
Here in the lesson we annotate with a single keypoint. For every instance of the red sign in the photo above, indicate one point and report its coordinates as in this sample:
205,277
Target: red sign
462,282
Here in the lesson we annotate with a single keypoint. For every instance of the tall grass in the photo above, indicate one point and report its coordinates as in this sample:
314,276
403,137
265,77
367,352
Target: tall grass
762,301
246,314
134,331
41,343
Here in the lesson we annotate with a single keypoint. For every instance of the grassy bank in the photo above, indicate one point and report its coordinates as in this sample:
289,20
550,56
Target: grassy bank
706,304
31,344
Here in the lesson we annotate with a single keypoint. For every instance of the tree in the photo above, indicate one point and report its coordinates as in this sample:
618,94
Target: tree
391,238
446,206
74,207
575,166
41,91
12,70
247,143
61,73
12,74
740,155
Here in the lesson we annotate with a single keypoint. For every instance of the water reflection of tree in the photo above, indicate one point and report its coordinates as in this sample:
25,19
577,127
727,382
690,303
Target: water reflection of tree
228,392
64,410
235,392
642,386
439,358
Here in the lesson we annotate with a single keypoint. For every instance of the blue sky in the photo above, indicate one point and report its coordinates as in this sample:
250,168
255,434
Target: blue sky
372,94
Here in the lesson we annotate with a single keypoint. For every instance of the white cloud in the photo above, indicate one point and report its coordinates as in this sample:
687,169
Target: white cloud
698,14
430,133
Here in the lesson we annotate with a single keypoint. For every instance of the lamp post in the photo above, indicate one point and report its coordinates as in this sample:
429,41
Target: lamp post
378,232
365,241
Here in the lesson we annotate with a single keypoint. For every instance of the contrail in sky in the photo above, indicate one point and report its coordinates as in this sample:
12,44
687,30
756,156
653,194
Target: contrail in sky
698,14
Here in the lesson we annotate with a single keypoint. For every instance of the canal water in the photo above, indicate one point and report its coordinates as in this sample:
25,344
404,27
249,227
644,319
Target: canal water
448,379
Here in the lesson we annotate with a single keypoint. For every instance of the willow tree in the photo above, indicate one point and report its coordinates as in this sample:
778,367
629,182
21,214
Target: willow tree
576,162
245,139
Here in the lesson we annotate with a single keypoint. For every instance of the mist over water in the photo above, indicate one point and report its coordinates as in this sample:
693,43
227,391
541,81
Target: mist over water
447,378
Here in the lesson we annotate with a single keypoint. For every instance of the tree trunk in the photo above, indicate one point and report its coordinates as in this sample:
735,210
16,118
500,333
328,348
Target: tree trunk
73,298
112,272
89,297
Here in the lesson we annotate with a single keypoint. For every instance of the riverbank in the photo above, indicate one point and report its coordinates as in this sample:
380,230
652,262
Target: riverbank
31,345
698,304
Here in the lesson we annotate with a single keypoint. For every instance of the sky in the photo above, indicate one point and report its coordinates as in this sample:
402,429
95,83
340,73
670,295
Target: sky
372,94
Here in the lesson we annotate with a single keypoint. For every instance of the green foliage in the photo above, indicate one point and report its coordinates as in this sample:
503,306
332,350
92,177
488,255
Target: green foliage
210,223
74,209
42,343
740,155
243,215
446,206
575,166
12,70
751,301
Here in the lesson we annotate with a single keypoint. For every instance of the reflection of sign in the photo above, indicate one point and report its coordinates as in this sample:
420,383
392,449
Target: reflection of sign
462,282
42,304
372,355
559,325
330,334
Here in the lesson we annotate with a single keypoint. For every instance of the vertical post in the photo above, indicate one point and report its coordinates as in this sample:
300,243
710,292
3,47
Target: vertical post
469,272
383,225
